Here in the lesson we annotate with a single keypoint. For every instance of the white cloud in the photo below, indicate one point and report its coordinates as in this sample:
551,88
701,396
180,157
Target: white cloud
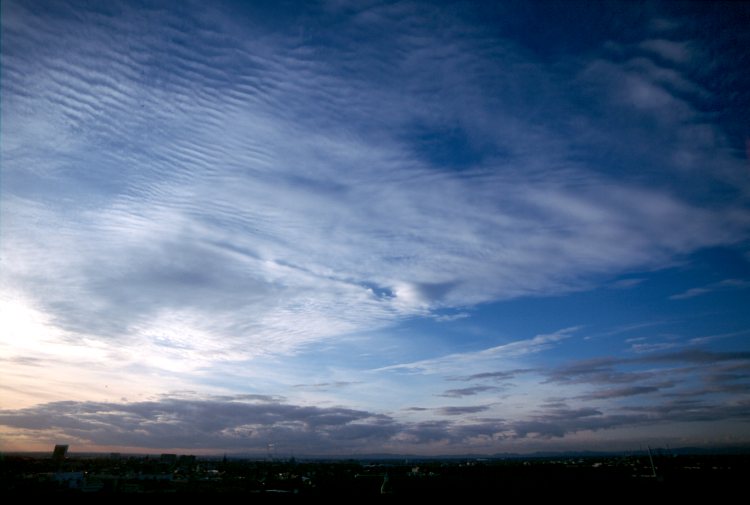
627,283
725,285
444,318
459,362
678,52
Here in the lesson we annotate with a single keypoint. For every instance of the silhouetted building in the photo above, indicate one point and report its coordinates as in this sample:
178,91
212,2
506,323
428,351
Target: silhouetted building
186,461
60,451
168,458
386,487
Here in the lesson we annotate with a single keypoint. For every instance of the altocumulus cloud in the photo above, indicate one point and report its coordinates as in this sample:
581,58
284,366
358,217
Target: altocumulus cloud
234,191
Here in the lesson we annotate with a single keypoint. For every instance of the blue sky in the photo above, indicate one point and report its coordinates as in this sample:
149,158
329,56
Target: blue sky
357,227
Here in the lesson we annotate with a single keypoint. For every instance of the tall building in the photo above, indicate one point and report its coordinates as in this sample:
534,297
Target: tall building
60,451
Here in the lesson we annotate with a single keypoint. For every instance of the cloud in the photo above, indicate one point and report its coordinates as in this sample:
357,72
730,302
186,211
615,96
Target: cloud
459,411
603,368
470,391
443,318
597,371
642,345
624,392
710,338
697,356
690,293
725,285
559,422
627,283
517,348
663,24
248,424
728,378
677,52
691,411
656,378
239,423
223,217
652,347
495,376
326,385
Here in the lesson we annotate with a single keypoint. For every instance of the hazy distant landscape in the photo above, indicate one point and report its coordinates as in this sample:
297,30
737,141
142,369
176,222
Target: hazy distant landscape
663,474
507,241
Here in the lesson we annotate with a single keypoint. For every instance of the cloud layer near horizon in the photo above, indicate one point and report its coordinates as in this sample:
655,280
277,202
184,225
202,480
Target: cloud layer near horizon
248,423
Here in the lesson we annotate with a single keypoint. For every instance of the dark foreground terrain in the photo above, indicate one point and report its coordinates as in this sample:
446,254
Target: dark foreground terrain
563,478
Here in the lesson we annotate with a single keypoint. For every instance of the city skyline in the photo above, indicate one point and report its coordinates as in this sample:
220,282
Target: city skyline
374,227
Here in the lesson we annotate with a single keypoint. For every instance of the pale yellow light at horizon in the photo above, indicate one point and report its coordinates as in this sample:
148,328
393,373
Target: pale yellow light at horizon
43,363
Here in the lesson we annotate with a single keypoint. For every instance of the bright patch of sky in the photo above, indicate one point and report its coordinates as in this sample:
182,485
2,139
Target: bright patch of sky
352,227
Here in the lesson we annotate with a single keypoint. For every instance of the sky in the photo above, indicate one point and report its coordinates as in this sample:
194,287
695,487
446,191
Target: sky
366,227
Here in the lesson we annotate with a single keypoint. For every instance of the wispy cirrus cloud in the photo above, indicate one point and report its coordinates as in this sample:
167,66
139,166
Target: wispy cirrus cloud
498,376
725,285
325,385
678,52
458,361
